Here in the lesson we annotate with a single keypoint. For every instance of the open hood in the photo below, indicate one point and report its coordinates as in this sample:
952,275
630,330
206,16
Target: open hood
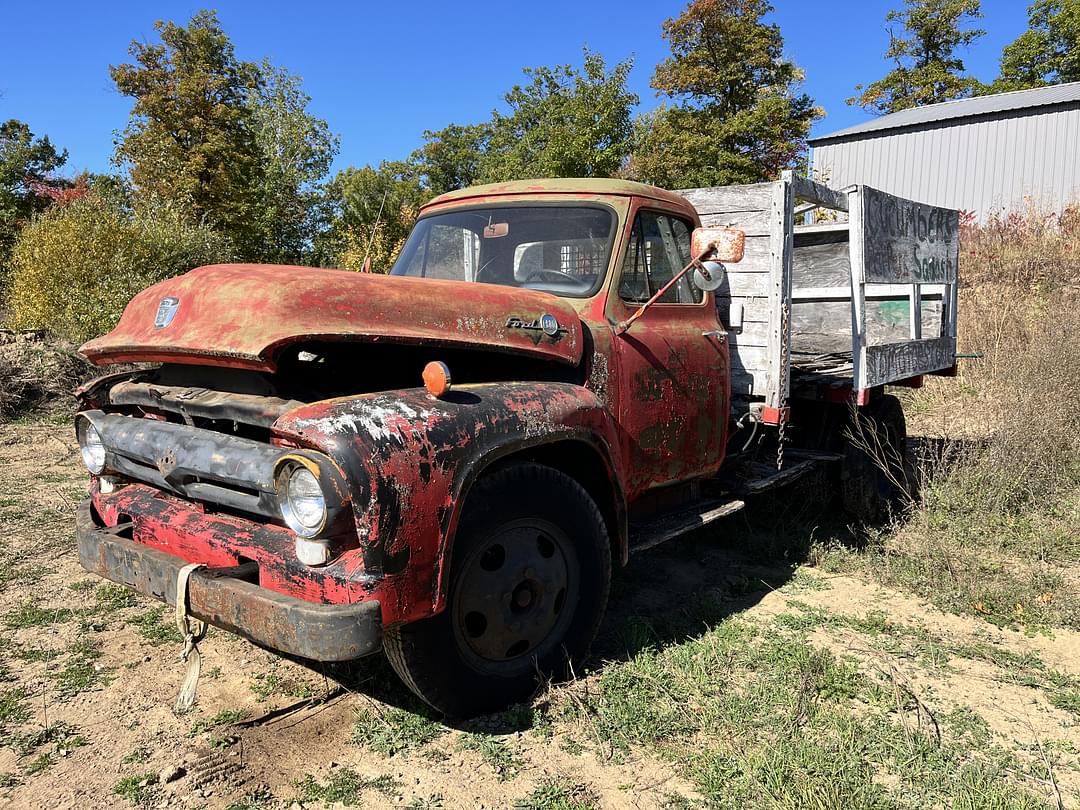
243,314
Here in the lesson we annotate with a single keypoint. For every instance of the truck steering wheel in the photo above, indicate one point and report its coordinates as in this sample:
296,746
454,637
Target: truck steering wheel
536,275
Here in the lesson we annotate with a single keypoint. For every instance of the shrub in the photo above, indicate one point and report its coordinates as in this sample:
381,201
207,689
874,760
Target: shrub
1034,247
74,268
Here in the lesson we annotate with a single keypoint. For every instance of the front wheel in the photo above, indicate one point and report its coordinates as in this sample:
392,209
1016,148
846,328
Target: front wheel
529,578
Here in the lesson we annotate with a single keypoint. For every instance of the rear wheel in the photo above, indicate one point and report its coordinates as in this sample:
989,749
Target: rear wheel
529,581
876,477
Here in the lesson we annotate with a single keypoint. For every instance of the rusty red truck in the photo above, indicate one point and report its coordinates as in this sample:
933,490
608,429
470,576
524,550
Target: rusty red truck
445,462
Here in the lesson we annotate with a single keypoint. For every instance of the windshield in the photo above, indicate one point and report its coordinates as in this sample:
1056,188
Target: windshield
560,249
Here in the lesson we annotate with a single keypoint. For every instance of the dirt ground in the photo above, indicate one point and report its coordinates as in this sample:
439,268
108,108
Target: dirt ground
88,676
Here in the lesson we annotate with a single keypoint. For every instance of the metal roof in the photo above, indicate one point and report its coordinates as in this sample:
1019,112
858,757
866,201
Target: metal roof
961,108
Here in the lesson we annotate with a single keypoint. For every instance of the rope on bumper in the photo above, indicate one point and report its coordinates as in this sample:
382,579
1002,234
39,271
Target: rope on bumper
193,630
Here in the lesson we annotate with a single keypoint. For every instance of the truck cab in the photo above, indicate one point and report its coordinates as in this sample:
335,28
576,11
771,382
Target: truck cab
444,461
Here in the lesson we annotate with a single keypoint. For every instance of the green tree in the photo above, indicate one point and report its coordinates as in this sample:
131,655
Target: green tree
736,114
192,137
296,150
1047,53
450,158
372,211
26,167
75,267
224,141
564,122
927,69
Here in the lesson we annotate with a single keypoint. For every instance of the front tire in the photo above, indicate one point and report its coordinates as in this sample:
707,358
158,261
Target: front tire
530,574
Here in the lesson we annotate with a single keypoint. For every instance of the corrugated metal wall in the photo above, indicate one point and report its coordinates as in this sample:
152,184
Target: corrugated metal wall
991,164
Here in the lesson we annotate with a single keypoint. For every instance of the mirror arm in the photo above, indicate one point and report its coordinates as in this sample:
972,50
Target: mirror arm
622,326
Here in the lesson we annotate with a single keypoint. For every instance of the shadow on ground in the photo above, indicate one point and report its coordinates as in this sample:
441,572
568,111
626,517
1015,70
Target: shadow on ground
669,594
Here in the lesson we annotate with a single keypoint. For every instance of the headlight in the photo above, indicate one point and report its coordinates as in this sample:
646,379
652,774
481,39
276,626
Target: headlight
91,446
302,503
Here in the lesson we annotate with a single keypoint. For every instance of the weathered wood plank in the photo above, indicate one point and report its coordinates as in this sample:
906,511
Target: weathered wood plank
746,358
816,325
752,223
755,256
782,248
820,228
907,242
821,265
755,310
751,334
744,284
807,189
842,292
890,362
722,199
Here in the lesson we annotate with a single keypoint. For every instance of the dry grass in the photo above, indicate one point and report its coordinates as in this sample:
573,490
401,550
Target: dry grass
36,370
1032,248
996,532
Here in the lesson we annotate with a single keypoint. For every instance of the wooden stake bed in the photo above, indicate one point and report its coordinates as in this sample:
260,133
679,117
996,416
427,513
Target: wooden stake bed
852,304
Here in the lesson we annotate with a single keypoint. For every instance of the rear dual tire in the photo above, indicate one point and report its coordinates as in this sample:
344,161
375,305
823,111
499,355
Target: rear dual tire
530,574
877,479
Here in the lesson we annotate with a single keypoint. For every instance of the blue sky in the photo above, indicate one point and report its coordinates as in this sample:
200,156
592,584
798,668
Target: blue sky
382,73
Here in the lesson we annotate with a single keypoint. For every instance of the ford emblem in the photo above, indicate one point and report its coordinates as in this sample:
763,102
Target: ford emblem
166,311
550,324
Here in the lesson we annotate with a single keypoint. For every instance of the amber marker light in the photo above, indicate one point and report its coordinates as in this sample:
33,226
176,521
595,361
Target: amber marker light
437,378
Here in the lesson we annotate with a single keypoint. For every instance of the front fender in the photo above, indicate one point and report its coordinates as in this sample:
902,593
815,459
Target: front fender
421,454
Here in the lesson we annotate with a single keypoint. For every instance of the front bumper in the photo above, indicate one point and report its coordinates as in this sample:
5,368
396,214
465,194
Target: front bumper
284,623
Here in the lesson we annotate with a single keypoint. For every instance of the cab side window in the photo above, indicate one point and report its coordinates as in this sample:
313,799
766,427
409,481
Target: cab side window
659,248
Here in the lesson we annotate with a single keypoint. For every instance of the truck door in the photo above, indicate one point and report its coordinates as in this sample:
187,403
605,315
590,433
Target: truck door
672,363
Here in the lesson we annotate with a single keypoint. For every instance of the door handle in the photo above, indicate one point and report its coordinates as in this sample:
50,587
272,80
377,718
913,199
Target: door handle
720,336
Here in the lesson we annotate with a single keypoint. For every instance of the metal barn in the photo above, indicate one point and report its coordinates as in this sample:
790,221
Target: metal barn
984,154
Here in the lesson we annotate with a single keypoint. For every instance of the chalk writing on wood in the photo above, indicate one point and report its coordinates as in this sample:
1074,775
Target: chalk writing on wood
908,242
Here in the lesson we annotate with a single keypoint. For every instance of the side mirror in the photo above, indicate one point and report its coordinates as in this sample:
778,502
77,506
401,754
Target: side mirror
718,244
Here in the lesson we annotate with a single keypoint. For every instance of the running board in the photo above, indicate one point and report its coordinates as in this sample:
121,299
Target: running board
670,526
776,478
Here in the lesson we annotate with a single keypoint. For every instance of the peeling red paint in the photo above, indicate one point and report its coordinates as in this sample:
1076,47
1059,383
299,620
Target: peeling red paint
242,315
652,404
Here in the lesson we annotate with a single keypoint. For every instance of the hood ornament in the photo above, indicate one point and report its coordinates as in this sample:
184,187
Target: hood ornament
166,311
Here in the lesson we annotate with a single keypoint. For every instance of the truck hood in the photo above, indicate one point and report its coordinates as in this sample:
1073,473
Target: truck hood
244,314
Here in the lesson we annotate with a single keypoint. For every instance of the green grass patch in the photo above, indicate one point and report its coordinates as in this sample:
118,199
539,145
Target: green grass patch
156,628
9,781
1067,699
272,682
756,716
60,735
559,794
261,799
139,788
494,752
226,717
52,477
81,673
13,708
112,597
136,755
31,614
21,574
40,764
391,731
345,786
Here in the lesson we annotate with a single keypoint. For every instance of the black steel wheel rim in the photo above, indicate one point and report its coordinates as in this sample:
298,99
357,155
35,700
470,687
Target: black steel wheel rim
515,596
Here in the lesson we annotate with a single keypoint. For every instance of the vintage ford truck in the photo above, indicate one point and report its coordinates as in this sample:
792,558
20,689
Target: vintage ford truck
445,462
